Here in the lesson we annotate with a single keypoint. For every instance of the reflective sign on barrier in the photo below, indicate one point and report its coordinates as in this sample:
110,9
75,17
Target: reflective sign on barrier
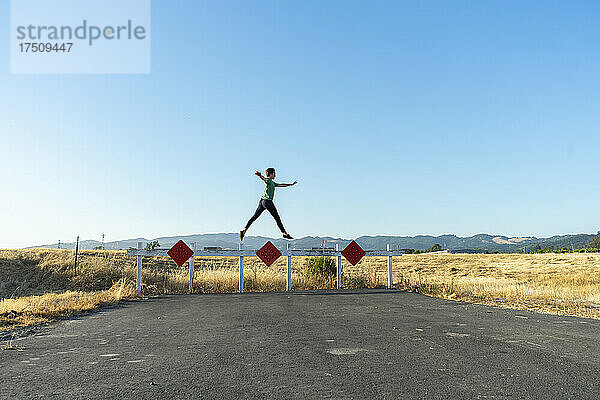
180,253
353,253
268,253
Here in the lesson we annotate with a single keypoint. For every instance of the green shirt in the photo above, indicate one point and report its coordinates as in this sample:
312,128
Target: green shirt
269,190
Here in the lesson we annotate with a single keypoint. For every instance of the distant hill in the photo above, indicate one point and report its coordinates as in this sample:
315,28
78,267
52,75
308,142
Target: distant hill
476,243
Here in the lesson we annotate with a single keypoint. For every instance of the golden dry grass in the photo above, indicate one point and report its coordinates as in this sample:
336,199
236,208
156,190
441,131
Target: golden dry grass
33,310
567,284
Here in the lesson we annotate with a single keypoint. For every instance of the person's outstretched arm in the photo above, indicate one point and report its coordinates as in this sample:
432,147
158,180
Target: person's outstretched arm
257,173
285,184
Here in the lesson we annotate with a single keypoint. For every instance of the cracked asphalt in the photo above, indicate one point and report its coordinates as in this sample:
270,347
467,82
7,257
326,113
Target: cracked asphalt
352,344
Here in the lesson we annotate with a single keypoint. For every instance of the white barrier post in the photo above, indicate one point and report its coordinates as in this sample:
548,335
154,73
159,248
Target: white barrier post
390,279
339,267
139,270
192,269
288,285
241,282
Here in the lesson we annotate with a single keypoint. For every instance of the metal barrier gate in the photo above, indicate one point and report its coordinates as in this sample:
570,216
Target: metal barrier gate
180,253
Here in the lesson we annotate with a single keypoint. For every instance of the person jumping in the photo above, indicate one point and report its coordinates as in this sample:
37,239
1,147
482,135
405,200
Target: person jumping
266,202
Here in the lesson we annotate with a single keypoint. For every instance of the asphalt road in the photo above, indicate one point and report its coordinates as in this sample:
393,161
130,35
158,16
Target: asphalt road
355,344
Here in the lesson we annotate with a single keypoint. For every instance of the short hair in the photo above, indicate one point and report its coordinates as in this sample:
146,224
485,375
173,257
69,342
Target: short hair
270,171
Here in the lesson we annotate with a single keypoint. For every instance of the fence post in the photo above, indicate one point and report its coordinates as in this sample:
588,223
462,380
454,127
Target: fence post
390,279
139,270
192,269
339,267
241,282
76,253
288,285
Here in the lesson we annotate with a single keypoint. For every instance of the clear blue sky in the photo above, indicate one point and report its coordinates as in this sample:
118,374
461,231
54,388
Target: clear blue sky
396,118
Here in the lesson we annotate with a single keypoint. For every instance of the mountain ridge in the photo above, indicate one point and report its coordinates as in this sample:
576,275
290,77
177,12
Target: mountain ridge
478,242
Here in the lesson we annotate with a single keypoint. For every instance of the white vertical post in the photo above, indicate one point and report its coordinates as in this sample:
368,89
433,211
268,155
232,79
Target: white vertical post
138,281
288,285
241,282
192,269
339,267
390,279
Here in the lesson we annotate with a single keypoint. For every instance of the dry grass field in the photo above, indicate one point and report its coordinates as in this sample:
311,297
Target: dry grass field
567,284
40,285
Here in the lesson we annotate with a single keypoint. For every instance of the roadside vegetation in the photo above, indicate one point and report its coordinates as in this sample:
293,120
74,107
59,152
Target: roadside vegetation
40,285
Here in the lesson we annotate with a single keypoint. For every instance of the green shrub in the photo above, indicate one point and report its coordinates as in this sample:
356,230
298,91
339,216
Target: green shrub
320,267
435,247
152,245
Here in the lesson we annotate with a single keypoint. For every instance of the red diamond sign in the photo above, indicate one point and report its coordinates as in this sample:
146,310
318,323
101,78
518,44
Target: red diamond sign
180,253
268,253
353,253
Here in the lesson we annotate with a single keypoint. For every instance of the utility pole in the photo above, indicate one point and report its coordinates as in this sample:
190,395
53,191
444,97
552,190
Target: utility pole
103,241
